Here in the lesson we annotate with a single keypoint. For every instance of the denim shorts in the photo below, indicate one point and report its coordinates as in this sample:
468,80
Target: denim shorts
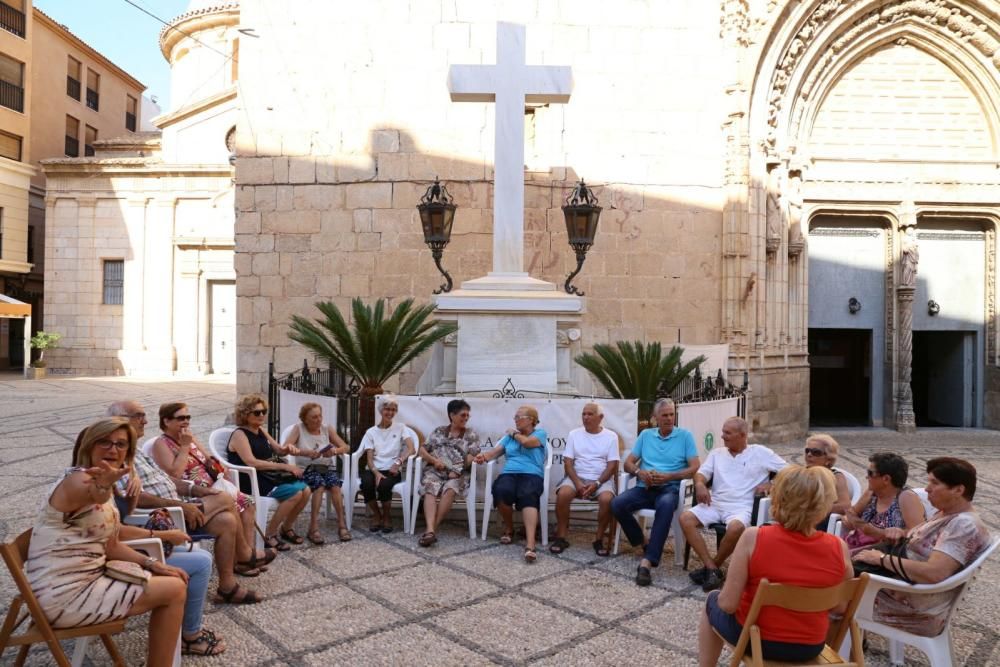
727,626
518,489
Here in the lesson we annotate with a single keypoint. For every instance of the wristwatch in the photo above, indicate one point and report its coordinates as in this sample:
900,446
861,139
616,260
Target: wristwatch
148,563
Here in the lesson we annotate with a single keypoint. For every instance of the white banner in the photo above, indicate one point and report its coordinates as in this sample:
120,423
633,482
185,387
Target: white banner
705,420
289,403
716,358
491,417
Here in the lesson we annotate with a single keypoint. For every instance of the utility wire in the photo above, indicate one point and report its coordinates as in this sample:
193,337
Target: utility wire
186,34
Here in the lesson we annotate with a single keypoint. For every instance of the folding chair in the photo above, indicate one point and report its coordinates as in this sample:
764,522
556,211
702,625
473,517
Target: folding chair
14,554
799,598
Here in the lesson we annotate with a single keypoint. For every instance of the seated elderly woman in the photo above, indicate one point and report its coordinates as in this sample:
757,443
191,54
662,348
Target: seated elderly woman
387,445
800,497
520,485
886,504
936,549
314,444
251,445
448,452
822,450
76,565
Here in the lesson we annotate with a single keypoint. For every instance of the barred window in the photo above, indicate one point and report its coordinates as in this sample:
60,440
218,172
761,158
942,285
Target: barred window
114,281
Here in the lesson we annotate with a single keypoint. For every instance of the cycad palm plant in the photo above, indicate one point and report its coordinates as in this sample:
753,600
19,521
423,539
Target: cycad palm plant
373,347
636,370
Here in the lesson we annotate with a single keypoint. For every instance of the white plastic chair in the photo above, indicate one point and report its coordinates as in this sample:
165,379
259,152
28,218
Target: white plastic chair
345,461
403,489
929,510
147,446
217,443
470,497
626,481
543,503
939,649
152,547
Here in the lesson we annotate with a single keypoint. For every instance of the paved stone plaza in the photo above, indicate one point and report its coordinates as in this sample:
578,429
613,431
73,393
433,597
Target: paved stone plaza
384,600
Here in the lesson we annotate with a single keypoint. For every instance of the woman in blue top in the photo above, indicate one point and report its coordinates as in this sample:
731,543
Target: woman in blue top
520,485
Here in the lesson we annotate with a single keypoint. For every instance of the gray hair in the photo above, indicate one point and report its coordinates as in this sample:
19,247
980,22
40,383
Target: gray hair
597,408
741,424
662,403
120,409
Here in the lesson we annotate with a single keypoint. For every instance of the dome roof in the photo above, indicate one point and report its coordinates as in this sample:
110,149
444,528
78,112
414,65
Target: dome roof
207,5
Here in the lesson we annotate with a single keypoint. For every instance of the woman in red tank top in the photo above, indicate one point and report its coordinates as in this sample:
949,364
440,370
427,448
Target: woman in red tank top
790,551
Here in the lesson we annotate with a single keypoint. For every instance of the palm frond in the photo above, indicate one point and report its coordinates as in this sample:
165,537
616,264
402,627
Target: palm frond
636,370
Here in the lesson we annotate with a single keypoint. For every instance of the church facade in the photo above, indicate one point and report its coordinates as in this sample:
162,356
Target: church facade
812,183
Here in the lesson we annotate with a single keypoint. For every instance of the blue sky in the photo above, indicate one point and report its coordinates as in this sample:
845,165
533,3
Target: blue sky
123,34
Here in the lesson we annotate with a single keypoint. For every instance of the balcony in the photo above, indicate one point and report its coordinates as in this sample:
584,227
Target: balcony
11,19
72,87
12,96
92,99
72,147
130,121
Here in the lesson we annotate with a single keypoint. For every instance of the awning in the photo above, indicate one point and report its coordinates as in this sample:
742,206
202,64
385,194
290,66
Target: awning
11,307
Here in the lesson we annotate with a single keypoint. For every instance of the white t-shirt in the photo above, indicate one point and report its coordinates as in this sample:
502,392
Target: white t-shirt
387,443
734,478
591,451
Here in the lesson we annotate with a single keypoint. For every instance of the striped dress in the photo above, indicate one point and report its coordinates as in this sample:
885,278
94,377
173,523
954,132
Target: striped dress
65,565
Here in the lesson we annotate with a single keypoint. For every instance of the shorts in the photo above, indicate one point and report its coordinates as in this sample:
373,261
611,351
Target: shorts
709,514
316,477
283,492
518,489
607,487
730,629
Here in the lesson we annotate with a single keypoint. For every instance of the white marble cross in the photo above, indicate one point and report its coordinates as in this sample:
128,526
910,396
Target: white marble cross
510,83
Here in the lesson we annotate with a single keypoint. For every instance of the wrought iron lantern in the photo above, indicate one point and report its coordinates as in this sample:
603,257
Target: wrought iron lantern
933,308
582,213
853,306
437,213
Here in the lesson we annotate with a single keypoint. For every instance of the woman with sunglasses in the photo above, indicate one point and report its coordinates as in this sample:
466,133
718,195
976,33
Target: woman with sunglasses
887,503
821,450
179,454
251,445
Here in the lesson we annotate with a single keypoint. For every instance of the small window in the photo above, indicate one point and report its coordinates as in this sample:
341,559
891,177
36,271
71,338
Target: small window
73,69
88,144
93,89
131,112
114,281
72,137
12,16
10,146
11,83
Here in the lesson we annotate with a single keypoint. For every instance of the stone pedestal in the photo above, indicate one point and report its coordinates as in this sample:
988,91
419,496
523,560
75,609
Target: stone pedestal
509,326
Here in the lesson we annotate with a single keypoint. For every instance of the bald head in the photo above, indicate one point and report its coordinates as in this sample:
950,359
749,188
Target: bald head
131,410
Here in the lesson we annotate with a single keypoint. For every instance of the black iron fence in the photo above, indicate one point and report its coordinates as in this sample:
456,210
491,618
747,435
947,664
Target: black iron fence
11,96
11,19
72,87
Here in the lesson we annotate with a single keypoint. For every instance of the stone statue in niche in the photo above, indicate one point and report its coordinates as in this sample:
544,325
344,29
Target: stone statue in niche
793,200
773,211
909,255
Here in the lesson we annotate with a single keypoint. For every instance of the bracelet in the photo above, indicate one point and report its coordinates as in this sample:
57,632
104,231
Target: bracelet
148,563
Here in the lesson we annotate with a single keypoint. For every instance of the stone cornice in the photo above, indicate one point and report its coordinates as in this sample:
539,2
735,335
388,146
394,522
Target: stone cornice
223,14
135,166
166,120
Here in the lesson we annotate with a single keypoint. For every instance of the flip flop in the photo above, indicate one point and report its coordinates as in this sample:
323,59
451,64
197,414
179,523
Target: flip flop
314,537
529,555
600,549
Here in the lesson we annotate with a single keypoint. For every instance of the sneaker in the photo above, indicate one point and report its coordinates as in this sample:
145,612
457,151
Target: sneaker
698,576
643,577
713,580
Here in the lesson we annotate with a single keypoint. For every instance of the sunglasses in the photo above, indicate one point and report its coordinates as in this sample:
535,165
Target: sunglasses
259,413
182,418
814,451
121,445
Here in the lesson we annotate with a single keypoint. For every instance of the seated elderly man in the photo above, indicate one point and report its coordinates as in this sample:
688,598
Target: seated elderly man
591,461
211,512
661,458
738,472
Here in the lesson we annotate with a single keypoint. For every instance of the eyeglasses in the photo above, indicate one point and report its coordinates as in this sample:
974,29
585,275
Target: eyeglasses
520,417
259,413
121,445
184,418
814,451
137,415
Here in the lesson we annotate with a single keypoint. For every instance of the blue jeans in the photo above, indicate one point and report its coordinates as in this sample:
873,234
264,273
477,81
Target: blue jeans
198,565
663,499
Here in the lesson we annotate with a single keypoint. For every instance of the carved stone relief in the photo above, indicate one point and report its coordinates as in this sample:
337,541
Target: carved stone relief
773,210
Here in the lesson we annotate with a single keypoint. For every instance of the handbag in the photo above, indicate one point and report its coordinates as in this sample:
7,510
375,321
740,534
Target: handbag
127,571
214,468
896,551
278,477
159,519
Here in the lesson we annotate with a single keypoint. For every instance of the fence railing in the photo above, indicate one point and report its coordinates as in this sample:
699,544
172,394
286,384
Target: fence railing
11,19
12,96
72,87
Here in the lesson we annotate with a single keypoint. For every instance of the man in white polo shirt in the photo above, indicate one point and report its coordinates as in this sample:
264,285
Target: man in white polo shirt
591,461
738,472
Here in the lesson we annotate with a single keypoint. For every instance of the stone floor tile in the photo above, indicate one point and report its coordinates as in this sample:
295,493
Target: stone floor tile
600,594
412,645
678,617
360,557
505,564
615,648
527,627
426,588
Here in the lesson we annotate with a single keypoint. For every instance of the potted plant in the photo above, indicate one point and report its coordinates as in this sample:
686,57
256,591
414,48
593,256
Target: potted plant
42,341
372,347
636,370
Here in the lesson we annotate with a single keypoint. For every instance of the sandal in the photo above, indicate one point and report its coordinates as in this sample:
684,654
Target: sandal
254,563
206,642
229,597
272,542
506,538
600,549
529,555
289,535
315,537
559,545
246,570
427,539
344,535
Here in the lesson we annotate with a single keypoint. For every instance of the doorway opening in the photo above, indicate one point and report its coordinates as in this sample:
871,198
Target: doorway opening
222,323
943,378
840,377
